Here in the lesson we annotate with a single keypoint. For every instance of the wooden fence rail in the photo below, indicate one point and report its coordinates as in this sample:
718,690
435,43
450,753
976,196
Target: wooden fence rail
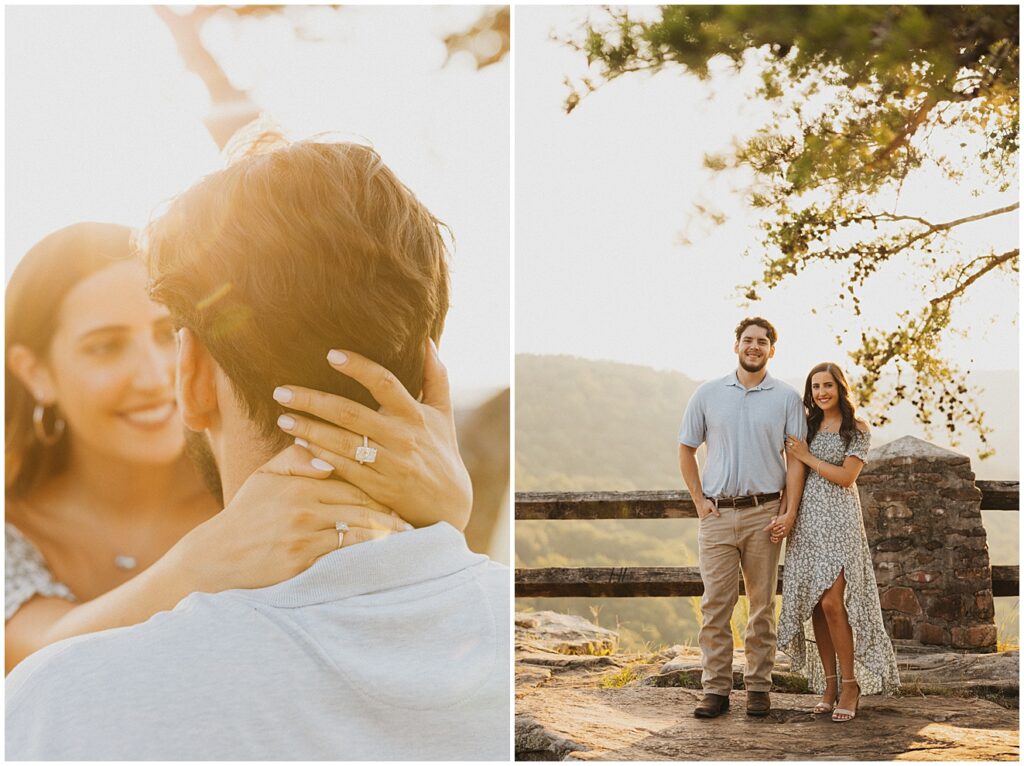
676,504
625,582
613,582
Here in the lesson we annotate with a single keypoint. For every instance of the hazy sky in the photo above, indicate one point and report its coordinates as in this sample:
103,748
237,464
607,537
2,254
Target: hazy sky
603,198
103,123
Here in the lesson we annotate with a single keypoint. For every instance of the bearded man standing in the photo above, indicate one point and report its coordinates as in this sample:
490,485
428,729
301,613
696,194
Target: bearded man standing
744,419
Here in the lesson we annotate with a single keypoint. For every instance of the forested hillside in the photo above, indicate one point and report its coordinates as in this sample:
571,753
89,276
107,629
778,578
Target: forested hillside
594,425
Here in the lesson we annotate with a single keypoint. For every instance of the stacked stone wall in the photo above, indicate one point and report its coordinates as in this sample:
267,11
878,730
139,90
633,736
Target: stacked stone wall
923,520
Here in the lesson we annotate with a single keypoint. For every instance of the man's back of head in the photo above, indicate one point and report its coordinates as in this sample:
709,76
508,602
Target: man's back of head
296,249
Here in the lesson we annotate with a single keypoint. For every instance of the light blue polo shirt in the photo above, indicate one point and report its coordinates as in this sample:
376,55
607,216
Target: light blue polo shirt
393,650
745,431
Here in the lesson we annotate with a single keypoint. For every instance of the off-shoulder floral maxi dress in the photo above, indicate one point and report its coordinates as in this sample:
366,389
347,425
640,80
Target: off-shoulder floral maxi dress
828,538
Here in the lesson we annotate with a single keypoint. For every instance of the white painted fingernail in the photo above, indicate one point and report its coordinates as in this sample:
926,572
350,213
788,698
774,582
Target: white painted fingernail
287,422
337,357
406,526
283,395
301,442
321,465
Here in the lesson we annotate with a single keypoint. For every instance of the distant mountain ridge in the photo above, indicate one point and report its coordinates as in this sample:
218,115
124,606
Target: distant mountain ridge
583,424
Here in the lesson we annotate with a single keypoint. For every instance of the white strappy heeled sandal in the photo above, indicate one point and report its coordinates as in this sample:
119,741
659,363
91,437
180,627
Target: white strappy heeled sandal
826,707
843,714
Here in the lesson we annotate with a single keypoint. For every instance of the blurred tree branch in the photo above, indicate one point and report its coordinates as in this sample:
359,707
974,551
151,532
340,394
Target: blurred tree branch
488,40
230,108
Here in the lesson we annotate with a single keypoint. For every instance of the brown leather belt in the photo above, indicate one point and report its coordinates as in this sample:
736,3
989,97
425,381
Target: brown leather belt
747,501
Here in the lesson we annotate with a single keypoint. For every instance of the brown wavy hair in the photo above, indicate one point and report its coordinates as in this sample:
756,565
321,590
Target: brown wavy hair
761,322
294,250
42,279
815,414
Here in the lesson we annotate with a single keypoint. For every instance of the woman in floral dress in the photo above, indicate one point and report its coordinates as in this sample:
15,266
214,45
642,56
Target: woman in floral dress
829,594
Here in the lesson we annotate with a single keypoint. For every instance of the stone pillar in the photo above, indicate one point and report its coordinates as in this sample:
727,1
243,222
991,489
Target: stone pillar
922,514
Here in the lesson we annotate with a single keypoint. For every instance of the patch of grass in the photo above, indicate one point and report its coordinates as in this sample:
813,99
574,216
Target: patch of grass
649,649
621,678
1007,638
738,621
688,681
698,613
791,683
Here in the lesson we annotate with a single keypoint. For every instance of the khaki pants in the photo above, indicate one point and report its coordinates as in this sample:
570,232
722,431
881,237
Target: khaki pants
736,540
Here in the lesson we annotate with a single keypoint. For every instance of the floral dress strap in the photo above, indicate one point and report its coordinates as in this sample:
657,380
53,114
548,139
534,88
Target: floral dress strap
26,574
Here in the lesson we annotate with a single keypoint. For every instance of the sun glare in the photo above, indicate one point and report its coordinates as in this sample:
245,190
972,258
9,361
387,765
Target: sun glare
105,123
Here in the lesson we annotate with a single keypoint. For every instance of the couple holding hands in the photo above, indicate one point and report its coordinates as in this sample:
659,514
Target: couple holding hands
749,498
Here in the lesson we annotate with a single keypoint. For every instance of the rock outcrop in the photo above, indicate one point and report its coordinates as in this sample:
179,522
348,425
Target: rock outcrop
562,634
610,706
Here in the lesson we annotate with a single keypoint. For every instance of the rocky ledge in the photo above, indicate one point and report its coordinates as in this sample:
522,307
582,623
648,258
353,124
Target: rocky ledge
578,698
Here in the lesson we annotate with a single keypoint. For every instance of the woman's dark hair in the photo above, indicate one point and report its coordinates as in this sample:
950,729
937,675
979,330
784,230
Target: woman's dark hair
815,414
34,296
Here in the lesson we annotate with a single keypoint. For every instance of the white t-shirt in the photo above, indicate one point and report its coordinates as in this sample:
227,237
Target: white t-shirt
390,650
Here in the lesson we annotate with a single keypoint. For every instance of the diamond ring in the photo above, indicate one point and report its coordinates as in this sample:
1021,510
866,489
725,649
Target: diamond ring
366,453
342,528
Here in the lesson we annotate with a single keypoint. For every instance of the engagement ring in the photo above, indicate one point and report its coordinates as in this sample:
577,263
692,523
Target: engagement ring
342,528
366,453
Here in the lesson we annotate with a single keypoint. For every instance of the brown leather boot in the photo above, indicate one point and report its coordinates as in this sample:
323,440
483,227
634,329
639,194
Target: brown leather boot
758,704
712,706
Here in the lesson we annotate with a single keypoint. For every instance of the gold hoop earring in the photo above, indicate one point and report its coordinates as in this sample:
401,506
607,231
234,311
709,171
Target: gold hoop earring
47,439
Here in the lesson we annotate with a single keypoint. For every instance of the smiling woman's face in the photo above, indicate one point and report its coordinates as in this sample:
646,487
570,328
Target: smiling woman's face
111,368
825,390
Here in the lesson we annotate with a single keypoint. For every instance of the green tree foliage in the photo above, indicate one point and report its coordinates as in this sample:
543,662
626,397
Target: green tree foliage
864,99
